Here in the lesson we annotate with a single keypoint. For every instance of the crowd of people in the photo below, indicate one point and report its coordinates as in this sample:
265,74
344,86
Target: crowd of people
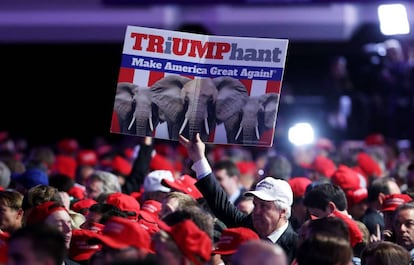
190,203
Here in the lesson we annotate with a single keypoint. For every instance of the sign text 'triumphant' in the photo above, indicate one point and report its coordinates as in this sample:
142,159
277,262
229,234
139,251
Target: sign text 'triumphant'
198,49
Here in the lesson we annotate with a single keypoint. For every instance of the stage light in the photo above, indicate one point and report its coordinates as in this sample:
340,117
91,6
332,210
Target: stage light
393,19
301,134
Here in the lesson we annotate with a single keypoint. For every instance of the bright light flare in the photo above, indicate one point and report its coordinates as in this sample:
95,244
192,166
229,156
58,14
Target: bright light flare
301,134
393,19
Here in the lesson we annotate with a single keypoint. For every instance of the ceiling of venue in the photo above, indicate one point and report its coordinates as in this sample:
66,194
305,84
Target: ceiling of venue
106,20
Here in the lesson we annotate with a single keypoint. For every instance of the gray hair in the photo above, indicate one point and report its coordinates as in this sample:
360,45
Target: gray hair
109,180
5,174
283,206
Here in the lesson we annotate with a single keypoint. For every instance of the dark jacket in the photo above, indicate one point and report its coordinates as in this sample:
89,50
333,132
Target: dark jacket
224,210
139,170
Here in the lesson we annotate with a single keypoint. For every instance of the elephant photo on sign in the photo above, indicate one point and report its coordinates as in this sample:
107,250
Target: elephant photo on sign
232,97
187,105
141,109
258,115
198,105
199,97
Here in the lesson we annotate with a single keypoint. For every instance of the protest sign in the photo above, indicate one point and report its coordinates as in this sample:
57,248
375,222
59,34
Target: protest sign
226,88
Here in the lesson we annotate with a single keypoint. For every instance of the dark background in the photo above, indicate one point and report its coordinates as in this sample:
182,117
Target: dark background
51,91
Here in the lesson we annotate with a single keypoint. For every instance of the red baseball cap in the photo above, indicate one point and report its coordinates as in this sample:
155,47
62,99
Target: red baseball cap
392,201
191,240
125,202
40,212
87,157
68,145
82,205
356,196
374,139
231,238
80,249
149,216
159,162
355,234
66,165
78,192
246,167
150,210
346,178
184,184
121,165
299,185
120,233
368,165
322,165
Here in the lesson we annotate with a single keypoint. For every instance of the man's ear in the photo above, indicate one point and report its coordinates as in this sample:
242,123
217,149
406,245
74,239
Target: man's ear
331,207
20,212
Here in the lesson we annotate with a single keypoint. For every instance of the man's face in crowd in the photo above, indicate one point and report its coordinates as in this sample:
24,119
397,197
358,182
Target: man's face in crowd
318,213
226,182
266,217
93,188
10,218
404,228
62,221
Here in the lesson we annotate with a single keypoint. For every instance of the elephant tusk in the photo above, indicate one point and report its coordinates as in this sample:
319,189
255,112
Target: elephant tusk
132,122
257,133
183,126
150,123
238,133
206,125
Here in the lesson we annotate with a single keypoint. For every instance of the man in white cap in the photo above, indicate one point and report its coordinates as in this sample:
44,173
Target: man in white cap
272,200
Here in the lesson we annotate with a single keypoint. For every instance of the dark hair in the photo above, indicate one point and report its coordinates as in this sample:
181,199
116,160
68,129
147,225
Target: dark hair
332,226
40,194
377,186
324,250
44,240
229,166
320,195
203,219
278,166
385,253
107,211
12,199
61,182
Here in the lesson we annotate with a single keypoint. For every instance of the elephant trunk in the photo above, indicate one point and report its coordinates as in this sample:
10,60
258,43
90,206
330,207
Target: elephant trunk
251,134
250,129
144,125
196,123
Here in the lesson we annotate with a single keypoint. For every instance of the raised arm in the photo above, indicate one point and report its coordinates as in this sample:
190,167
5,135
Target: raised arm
213,193
140,167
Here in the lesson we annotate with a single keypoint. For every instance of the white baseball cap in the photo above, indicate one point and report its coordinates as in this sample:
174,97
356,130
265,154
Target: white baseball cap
152,181
271,189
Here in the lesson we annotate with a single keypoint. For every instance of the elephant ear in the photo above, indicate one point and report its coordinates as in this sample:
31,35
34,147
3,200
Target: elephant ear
167,96
232,96
124,98
270,103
